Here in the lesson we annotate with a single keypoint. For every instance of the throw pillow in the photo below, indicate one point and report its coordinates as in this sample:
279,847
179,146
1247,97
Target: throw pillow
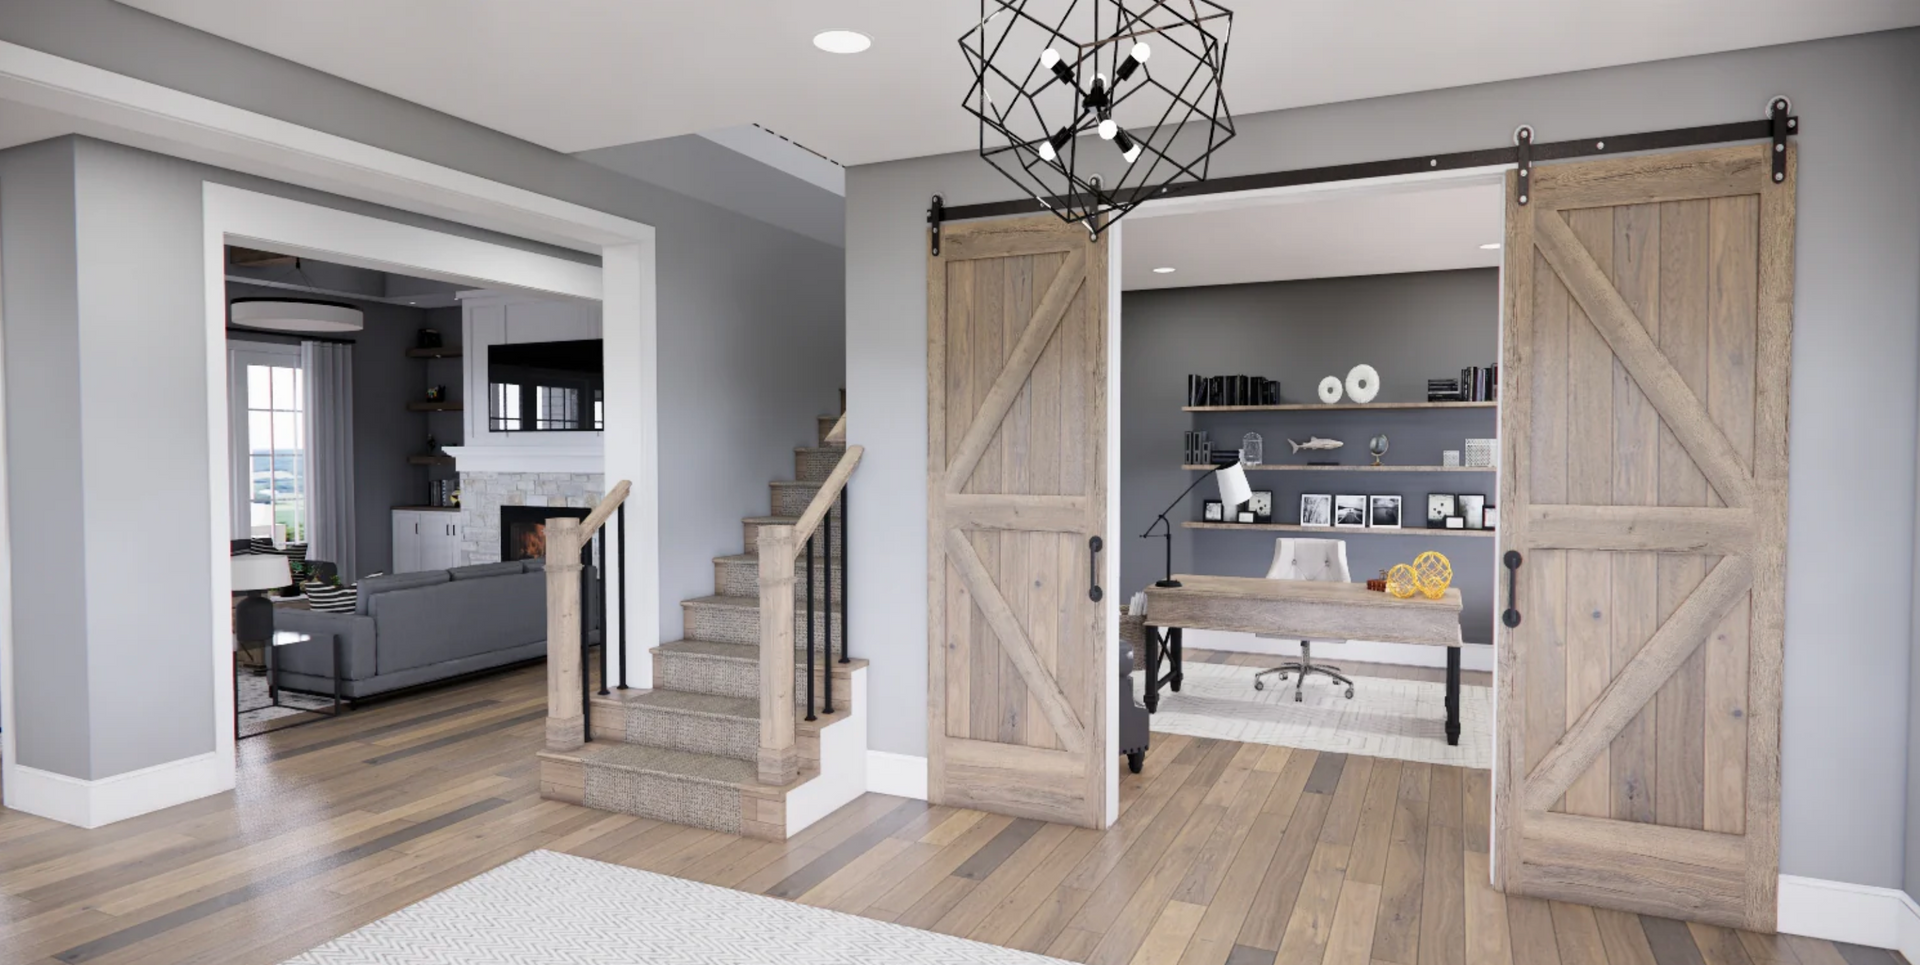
330,599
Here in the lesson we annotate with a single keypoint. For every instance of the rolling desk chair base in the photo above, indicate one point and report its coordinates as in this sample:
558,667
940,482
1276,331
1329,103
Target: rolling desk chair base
1301,669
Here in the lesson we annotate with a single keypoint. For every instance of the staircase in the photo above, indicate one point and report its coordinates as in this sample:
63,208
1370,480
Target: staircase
695,749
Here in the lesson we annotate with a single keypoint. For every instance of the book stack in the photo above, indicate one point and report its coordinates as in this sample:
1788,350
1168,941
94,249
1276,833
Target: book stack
1212,390
1480,384
1199,450
1444,390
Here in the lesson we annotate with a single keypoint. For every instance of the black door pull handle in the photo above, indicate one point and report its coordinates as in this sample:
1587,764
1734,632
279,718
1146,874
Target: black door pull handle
1094,593
1511,617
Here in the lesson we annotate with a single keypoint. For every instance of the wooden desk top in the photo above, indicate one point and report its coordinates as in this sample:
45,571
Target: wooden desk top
1308,610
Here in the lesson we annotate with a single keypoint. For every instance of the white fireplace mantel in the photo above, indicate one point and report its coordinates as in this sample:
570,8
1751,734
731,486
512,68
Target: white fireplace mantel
574,458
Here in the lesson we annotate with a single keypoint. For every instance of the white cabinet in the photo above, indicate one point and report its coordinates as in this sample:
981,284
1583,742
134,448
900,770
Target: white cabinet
425,539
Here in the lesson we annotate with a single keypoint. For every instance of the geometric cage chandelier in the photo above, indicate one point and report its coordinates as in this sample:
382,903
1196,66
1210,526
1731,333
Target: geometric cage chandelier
1094,106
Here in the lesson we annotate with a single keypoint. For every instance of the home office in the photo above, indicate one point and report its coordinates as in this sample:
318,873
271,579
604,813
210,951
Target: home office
1346,467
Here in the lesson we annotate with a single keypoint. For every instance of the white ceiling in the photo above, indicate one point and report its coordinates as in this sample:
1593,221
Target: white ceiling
581,74
1434,229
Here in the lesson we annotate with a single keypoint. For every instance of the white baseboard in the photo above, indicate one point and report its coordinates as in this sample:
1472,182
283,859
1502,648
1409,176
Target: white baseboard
1857,914
93,804
1474,657
901,775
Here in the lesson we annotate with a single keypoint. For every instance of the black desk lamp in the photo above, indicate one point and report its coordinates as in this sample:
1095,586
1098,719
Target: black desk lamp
1234,490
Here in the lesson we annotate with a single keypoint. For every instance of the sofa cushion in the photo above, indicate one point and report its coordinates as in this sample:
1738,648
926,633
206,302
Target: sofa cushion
374,586
437,624
480,571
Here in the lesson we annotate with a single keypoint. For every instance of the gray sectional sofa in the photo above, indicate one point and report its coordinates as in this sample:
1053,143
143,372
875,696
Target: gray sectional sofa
410,629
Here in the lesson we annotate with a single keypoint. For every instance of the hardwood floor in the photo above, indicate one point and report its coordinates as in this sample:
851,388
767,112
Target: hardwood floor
1225,853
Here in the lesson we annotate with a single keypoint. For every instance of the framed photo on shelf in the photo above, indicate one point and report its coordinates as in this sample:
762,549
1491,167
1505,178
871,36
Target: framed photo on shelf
1349,512
1261,504
1246,516
1316,509
1490,517
1213,512
1383,512
1439,507
1472,509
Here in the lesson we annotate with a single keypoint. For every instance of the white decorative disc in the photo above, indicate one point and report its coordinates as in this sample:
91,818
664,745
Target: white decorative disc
1330,389
1363,383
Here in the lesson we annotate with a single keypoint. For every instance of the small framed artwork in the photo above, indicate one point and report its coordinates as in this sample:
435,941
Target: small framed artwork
1439,507
1350,512
1383,512
1246,516
1316,509
1213,512
1490,517
1472,508
1261,504
1455,522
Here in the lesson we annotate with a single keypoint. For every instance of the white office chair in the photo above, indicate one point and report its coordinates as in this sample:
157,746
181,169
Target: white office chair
1321,561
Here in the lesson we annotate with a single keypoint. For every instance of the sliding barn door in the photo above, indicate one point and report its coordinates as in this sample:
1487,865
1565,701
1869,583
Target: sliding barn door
1644,426
1017,437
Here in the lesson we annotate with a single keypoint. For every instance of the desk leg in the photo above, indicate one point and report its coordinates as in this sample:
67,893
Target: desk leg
1177,659
1151,694
1453,696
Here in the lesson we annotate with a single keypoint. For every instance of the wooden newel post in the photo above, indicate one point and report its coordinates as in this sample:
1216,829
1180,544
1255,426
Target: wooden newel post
779,763
566,721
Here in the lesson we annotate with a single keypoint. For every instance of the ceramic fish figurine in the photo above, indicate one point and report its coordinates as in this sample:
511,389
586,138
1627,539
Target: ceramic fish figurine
1315,443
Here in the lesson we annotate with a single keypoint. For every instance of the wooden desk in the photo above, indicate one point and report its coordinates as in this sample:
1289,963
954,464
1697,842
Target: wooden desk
1299,610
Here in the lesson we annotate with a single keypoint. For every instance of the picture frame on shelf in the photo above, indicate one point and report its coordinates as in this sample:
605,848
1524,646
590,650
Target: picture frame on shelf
1349,512
1439,507
1455,522
1213,511
1490,517
1246,516
1383,512
1261,503
1472,510
1316,510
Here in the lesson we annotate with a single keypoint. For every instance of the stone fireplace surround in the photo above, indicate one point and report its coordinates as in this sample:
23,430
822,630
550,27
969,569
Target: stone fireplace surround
483,493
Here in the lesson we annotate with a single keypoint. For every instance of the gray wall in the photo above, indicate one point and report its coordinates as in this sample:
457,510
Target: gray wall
1857,311
750,349
1409,327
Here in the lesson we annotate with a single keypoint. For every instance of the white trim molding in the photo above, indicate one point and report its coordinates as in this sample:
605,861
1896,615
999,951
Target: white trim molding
901,775
590,459
1857,914
92,804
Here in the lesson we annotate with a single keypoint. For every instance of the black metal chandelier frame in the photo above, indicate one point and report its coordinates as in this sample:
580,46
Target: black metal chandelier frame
1104,78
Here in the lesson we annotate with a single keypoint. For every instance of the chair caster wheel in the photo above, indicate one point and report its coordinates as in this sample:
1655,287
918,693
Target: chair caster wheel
1283,678
1349,693
1258,685
1296,697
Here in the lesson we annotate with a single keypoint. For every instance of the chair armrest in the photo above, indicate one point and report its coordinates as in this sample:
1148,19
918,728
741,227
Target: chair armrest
356,635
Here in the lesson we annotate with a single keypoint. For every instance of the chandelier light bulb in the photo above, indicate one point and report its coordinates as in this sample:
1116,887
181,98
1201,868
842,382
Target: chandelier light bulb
1141,52
1108,129
1050,148
1049,57
1135,57
1129,148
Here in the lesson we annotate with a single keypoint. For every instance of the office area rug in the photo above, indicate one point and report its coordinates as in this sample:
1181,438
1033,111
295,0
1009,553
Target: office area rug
555,909
1399,719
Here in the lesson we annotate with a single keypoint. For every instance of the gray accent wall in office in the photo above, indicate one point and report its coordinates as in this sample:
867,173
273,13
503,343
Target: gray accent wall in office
1409,327
1855,387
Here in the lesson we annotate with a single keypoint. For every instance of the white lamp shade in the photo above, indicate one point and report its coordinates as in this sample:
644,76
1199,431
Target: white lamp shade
260,573
1234,489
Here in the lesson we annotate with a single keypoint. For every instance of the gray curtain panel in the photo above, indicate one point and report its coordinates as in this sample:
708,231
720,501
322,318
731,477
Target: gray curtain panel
329,405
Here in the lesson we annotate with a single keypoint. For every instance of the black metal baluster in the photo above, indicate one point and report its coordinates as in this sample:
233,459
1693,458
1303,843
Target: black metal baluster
845,541
827,584
810,715
620,547
600,609
586,685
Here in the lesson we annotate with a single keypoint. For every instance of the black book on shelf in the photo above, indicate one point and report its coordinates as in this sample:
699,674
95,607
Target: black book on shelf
1270,392
1223,457
1216,390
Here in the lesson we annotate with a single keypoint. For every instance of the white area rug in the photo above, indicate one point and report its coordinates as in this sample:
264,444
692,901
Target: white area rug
556,909
1400,719
253,693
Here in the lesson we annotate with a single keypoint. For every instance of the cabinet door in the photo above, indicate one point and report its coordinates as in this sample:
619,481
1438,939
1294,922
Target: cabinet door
444,543
406,542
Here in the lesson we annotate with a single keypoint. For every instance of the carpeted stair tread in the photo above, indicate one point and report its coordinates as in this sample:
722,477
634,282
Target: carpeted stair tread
705,768
679,701
734,602
743,652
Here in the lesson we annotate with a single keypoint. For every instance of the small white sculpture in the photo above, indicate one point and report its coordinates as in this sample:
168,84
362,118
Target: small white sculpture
1315,443
1363,383
1330,389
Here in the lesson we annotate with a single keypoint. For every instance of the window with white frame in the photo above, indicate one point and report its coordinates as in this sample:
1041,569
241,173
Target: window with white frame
269,451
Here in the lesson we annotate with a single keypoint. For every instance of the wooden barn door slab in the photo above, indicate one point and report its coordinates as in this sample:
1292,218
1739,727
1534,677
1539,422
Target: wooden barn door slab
1016,429
1644,426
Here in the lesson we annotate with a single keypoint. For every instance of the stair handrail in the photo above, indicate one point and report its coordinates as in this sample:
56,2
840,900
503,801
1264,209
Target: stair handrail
568,546
779,545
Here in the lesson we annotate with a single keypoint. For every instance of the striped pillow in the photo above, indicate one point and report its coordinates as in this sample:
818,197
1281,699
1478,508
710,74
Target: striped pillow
330,599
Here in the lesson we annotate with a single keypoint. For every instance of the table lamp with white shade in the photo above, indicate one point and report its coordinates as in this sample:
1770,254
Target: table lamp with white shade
1234,490
254,576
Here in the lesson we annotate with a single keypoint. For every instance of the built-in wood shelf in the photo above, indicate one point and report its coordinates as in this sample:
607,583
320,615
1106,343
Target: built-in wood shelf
447,352
435,407
431,460
427,509
1291,467
1420,531
1338,406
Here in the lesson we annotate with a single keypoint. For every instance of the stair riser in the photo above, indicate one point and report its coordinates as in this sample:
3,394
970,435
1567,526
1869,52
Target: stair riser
750,538
815,465
701,674
742,578
736,625
656,796
793,500
677,730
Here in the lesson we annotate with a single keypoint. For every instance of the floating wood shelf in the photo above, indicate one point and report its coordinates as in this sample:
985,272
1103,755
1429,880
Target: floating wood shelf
1338,406
449,352
1338,532
1290,467
427,509
431,460
435,407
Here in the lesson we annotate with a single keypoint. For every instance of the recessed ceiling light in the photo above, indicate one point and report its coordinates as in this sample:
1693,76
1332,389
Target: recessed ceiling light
1165,271
842,41
1494,246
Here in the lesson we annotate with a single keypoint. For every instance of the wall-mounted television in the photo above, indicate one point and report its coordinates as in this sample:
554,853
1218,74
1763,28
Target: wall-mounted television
545,387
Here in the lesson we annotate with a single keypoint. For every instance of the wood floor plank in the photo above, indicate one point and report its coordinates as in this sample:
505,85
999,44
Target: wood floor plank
1215,940
1530,922
1310,927
1577,934
1718,946
1443,912
1167,940
1488,940
1285,875
1670,940
1371,838
1768,949
1351,940
1125,903
1397,933
1625,940
1034,851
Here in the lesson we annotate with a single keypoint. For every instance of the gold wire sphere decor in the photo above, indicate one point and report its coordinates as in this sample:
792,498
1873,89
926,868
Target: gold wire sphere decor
1402,582
1433,573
